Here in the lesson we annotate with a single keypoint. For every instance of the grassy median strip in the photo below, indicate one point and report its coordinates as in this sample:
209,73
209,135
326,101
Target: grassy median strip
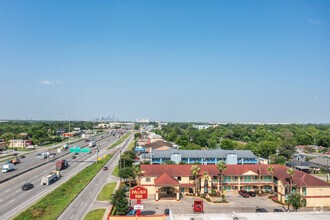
96,214
106,192
120,140
53,204
115,171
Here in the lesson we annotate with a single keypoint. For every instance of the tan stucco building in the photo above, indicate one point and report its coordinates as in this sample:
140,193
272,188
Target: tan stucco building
172,181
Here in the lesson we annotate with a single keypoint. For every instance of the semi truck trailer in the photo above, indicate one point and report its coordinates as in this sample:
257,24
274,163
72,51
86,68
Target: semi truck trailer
52,177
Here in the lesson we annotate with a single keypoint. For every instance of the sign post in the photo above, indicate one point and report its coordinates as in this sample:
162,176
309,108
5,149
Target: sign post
138,193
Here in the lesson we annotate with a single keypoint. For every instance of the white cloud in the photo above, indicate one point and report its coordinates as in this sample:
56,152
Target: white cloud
314,22
59,82
46,82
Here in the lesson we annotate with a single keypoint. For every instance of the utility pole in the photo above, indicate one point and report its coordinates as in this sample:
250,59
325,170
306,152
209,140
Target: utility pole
69,131
97,154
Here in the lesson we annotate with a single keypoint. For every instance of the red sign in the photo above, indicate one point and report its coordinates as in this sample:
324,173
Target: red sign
138,192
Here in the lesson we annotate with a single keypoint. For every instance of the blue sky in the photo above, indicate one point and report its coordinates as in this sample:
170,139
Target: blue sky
223,61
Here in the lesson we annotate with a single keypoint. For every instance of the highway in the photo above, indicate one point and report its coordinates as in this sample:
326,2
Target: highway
81,205
31,160
14,200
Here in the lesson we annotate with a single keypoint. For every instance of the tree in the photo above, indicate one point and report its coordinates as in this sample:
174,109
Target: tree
119,201
137,172
295,199
291,173
127,173
195,172
206,177
192,146
286,149
221,167
168,162
227,144
137,135
271,171
136,127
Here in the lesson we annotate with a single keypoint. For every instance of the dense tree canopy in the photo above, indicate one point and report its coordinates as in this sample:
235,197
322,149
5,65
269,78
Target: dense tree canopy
262,140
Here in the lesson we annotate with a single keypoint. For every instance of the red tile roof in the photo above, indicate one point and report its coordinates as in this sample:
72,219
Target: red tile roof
299,179
166,180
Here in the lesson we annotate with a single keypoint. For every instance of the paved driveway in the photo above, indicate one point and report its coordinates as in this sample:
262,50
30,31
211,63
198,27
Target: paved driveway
236,204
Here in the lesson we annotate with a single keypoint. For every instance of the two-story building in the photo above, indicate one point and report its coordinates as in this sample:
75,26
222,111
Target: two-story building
20,143
165,181
204,156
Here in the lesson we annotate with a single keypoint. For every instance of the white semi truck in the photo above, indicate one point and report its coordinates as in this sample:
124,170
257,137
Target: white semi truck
92,144
52,177
7,167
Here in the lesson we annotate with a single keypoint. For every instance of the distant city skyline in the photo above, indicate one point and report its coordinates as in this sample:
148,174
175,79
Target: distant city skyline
179,61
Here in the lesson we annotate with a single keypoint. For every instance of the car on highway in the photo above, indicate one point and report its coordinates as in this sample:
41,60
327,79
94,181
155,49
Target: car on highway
261,210
15,149
278,210
51,155
132,213
75,153
15,154
38,156
105,168
27,186
22,156
73,157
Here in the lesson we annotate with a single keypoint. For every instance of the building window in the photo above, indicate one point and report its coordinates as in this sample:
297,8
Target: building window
191,190
304,191
163,189
192,177
147,179
234,177
179,178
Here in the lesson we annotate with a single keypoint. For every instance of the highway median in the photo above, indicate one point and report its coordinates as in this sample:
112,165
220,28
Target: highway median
121,140
53,204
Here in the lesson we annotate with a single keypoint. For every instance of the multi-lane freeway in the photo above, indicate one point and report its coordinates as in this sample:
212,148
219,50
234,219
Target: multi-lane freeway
31,160
13,199
81,205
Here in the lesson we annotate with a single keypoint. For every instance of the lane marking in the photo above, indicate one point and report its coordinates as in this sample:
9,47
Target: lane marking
12,201
18,190
7,190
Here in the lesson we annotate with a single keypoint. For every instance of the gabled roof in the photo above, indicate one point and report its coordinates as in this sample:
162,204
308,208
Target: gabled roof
299,179
166,180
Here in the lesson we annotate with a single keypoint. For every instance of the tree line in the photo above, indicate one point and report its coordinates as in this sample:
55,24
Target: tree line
262,140
40,132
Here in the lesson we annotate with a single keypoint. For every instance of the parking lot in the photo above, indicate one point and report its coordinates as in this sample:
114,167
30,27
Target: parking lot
236,204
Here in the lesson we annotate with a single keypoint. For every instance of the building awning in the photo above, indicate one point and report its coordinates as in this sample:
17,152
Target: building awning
303,167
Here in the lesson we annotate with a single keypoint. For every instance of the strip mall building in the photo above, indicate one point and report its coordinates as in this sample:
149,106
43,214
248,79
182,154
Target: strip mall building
164,181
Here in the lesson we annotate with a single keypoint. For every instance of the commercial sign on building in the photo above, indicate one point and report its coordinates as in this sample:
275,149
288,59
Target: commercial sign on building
139,148
60,130
138,192
138,206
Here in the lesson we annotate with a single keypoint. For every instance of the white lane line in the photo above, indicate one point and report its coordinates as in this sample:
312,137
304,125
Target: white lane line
1,200
82,202
12,201
35,176
7,190
18,190
71,216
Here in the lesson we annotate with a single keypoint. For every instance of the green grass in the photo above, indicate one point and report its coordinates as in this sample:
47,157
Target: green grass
321,175
106,192
25,149
115,171
120,140
5,156
53,204
96,214
131,145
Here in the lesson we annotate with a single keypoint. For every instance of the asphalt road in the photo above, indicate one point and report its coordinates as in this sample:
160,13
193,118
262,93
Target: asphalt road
80,206
13,199
31,160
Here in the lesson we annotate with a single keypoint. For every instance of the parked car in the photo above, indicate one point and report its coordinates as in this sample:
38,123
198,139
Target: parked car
167,212
27,186
252,194
244,194
261,210
73,157
278,210
105,168
132,213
